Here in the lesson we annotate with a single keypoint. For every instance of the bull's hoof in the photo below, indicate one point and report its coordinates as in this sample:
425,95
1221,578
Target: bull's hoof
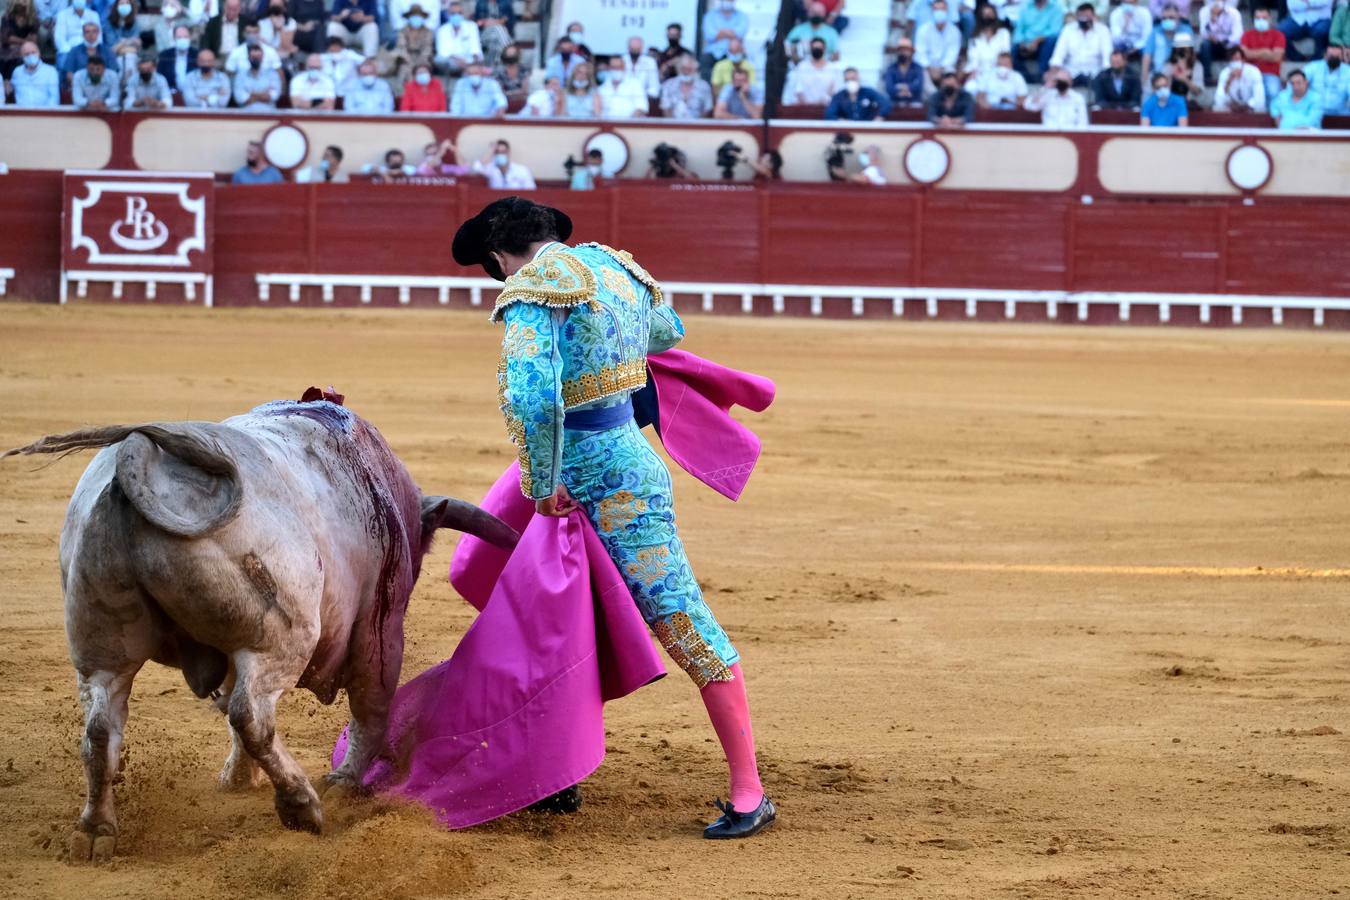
241,774
91,847
300,810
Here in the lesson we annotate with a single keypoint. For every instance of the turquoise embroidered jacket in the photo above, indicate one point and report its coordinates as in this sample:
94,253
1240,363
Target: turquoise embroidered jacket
580,322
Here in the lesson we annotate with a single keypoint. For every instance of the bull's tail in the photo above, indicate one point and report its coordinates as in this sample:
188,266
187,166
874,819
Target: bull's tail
179,476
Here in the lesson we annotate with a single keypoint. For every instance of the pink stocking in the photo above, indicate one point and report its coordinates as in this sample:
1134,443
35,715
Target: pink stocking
729,711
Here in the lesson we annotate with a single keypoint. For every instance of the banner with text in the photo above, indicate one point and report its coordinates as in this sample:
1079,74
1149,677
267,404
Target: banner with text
610,23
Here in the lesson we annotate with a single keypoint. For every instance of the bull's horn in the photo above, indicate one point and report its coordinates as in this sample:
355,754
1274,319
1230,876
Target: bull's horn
447,512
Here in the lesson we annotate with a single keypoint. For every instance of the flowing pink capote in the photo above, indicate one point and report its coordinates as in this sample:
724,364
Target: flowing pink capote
516,714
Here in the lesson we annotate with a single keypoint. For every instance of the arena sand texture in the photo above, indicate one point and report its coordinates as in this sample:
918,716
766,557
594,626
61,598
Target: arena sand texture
1026,612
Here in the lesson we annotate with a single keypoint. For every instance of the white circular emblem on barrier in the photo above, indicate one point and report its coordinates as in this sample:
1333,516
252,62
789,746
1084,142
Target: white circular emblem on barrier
285,146
1249,167
613,148
927,161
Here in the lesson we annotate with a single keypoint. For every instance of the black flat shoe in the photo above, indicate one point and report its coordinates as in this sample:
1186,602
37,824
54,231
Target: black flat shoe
741,824
568,800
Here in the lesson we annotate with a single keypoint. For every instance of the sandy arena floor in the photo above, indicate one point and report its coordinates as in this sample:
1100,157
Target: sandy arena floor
1026,612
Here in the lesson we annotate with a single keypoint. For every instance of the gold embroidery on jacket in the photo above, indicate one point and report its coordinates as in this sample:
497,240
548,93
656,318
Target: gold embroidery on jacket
619,285
557,280
625,259
624,376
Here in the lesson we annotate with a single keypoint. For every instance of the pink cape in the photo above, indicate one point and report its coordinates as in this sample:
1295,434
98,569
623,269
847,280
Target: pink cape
516,714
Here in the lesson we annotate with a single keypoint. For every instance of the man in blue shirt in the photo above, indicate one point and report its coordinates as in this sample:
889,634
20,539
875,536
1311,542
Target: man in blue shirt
721,23
35,83
588,177
856,103
256,170
1296,106
78,57
904,77
477,96
1038,26
369,96
1329,78
1163,109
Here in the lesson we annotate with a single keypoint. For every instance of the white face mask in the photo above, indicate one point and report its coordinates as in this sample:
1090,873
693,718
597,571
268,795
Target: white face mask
593,169
864,160
1164,94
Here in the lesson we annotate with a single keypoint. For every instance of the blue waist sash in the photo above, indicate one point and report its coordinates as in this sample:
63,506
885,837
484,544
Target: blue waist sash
600,419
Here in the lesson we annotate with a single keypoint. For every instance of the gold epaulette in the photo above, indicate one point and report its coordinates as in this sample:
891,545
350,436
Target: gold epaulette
625,259
557,279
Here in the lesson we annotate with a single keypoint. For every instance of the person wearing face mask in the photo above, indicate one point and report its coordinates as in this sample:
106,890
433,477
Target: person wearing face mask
35,83
1061,107
238,60
671,53
416,42
564,61
1240,88
1158,50
149,90
1001,87
422,92
255,85
856,103
277,30
501,173
589,176
312,89
368,95
1131,24
904,78
181,58
1084,46
640,66
579,98
1264,46
814,80
990,41
686,96
937,43
434,162
90,46
722,22
1117,87
1188,76
1039,23
1296,107
68,29
546,102
576,33
1329,78
356,22
427,11
1220,32
204,87
734,60
739,100
951,107
328,170
511,76
621,97
1163,109
458,43
496,21
478,95
798,40
94,90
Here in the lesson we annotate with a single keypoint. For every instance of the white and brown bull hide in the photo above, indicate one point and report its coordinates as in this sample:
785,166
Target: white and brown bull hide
272,550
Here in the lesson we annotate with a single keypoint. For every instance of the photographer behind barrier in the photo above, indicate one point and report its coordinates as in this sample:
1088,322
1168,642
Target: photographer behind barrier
586,177
869,161
669,161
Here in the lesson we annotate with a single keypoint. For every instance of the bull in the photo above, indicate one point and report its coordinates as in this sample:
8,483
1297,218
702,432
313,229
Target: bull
275,549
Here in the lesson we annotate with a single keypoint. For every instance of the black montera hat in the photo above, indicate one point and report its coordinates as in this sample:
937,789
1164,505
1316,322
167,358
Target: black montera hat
470,246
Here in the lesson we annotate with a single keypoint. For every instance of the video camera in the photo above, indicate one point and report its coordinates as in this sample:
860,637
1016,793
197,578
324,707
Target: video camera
836,153
728,155
664,159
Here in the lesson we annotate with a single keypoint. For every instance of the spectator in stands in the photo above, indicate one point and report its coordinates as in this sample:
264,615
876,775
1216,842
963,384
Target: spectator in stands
255,85
564,61
641,67
1039,23
177,61
416,42
577,35
277,30
148,90
1188,76
1131,24
395,168
588,177
1241,87
311,26
357,23
1296,107
1220,32
1158,51
1061,107
458,44
735,59
580,100
903,79
798,40
369,96
511,76
434,161
256,169
171,15
501,173
621,97
400,11
239,56
1340,26
1117,87
496,21
340,64
856,103
1001,87
686,96
741,99
204,87
1264,48
1084,47
547,101
78,57
813,81
312,89
937,43
990,41
68,29
94,90
869,158
667,59
477,95
1329,78
1307,18
1163,109
422,93
722,22
328,171
225,31
951,107
18,24
35,83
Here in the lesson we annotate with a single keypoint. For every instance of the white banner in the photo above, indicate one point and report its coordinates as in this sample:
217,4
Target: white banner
610,23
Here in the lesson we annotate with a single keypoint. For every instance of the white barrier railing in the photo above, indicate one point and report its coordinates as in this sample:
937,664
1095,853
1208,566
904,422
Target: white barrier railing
152,280
5,276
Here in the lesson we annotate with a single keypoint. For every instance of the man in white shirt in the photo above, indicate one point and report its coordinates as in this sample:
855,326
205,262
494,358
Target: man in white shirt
544,102
813,80
1001,87
501,173
368,96
870,160
312,89
641,67
340,63
458,44
937,42
1084,46
204,87
34,82
1240,88
621,96
68,32
1220,31
1131,24
1061,107
238,58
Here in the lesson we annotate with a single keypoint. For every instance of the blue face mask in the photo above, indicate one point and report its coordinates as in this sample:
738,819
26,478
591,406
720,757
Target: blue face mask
940,16
502,160
735,57
1261,24
416,21
1169,24
31,60
456,19
475,80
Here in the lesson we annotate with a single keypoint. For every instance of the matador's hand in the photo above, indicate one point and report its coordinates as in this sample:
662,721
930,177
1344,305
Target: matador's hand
558,506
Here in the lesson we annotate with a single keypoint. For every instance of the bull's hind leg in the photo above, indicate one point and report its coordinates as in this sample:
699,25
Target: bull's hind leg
241,771
259,682
104,695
